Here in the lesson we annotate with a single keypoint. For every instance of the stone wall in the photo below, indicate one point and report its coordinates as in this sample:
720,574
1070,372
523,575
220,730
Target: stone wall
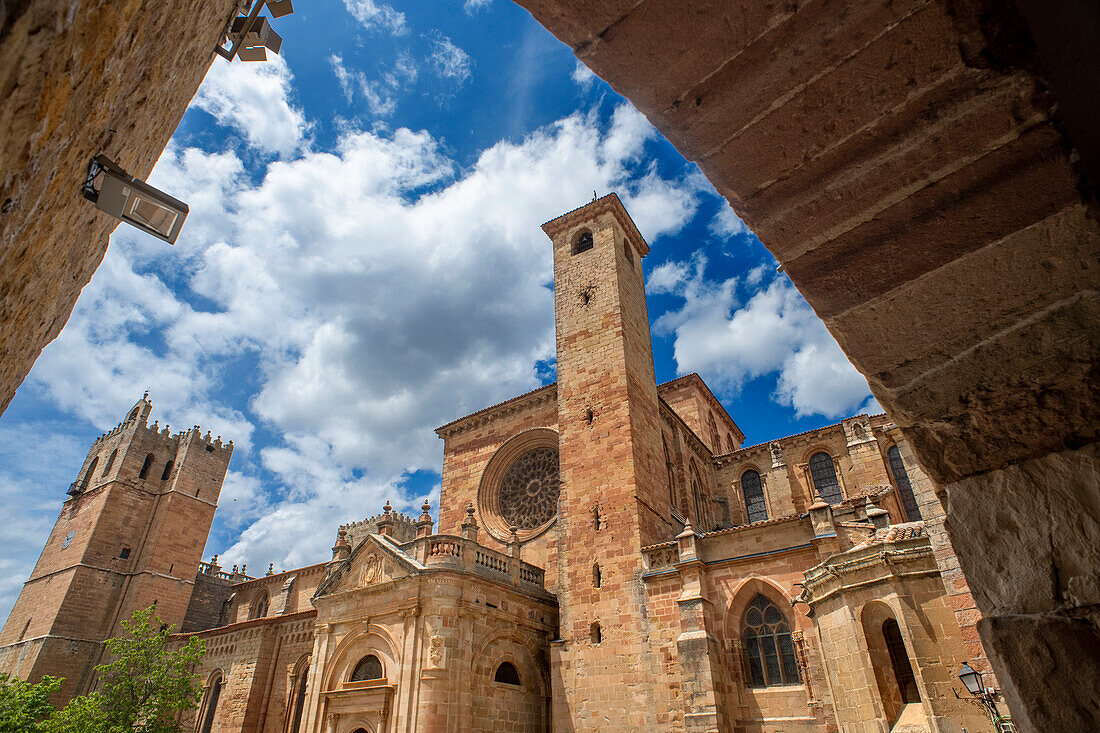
206,607
851,596
77,79
925,171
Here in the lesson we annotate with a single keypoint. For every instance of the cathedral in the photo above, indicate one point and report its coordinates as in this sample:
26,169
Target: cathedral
608,556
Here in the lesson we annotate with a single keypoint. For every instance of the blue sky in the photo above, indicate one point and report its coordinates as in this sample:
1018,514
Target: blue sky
363,262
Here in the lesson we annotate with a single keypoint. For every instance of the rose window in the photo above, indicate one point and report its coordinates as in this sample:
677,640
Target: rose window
529,489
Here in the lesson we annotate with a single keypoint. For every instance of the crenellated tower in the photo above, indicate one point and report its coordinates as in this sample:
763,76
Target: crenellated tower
129,536
611,468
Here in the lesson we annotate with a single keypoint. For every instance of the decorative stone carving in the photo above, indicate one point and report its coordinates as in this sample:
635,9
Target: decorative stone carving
372,570
529,491
436,651
777,455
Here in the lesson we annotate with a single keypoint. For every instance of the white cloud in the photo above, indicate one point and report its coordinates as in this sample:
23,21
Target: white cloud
472,6
774,332
371,14
374,294
450,61
583,76
726,223
253,99
377,94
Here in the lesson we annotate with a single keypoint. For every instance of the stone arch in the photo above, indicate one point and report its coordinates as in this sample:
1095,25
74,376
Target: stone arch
492,704
581,240
698,495
88,474
211,697
895,678
899,472
488,491
743,594
354,725
352,648
259,605
752,505
296,694
530,663
809,456
110,463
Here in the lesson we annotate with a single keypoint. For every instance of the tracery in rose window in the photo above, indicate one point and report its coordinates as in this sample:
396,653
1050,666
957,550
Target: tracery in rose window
529,490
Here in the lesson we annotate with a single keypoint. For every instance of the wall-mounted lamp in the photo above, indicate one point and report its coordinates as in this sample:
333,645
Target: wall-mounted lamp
134,202
251,36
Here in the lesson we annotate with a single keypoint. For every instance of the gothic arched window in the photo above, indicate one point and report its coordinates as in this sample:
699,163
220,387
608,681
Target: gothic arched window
88,474
110,462
899,660
146,466
715,445
697,495
671,478
824,476
167,471
507,674
901,478
213,692
369,668
259,606
769,648
299,700
753,489
582,243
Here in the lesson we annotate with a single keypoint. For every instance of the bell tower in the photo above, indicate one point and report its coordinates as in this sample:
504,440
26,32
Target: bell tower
611,469
130,535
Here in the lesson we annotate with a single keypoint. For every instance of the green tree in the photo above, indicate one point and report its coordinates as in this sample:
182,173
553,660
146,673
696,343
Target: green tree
142,689
23,706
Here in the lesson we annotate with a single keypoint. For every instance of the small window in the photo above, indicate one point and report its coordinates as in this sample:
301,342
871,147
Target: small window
166,472
582,243
597,518
259,606
753,489
901,478
507,674
369,668
213,692
595,633
110,462
88,474
824,476
629,252
146,466
124,553
597,578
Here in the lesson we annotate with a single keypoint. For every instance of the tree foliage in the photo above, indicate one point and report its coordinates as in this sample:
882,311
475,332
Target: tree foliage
142,688
25,707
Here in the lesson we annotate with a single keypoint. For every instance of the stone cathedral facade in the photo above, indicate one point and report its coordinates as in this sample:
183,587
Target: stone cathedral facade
608,557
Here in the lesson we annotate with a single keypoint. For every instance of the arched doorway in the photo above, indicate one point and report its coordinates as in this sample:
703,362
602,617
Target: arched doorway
889,659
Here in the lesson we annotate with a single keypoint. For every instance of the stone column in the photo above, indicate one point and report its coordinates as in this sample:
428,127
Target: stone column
697,651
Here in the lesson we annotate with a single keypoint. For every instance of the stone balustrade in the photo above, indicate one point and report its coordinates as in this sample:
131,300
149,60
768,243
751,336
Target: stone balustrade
459,553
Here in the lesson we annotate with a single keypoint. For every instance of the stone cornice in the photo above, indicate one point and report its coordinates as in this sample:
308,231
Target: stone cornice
521,403
609,204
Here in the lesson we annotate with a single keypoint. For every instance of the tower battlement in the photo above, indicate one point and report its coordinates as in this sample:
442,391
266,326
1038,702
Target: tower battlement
130,535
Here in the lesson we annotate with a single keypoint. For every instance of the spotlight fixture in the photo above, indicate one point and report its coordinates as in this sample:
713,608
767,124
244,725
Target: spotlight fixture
134,202
251,36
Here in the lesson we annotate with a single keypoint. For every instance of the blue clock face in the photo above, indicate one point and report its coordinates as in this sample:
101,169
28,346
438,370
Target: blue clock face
68,538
